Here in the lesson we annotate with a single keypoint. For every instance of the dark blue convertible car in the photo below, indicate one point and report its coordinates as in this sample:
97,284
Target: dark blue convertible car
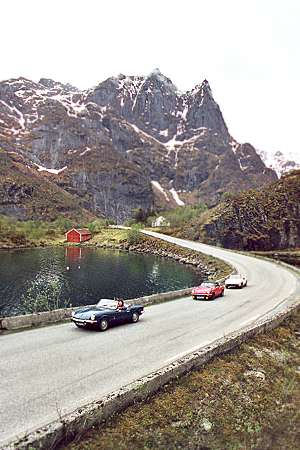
106,313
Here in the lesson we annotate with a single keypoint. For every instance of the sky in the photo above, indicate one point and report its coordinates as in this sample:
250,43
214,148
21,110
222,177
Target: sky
248,50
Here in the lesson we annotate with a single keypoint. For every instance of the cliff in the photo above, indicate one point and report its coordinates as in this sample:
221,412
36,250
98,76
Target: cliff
264,219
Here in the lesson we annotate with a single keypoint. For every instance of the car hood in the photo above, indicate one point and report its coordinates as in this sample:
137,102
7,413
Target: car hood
85,313
202,290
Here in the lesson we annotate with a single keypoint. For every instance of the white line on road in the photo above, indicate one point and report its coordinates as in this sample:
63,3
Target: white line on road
191,350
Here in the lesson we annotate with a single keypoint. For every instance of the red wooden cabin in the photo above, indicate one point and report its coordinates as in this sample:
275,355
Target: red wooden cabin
78,235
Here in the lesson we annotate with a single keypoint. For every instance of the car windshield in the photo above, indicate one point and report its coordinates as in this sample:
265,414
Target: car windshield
208,285
235,276
107,303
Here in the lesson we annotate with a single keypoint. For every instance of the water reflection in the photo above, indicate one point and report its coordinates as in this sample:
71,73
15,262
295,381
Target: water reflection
85,274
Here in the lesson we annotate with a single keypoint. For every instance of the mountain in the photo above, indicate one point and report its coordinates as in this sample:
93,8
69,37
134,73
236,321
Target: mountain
279,162
26,195
130,142
265,219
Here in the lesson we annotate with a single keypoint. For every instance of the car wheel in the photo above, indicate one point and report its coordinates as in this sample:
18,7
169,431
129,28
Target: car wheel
212,297
135,317
222,294
245,283
103,325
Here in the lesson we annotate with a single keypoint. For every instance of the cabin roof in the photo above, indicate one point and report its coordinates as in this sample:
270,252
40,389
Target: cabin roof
80,230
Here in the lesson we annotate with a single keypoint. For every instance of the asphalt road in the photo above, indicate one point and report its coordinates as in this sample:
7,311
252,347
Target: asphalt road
50,371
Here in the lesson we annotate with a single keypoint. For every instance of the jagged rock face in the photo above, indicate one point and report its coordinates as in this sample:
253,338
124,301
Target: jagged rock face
127,143
155,105
258,220
121,189
54,128
26,195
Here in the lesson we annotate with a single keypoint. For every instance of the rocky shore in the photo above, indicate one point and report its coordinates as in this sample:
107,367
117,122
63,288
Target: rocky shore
30,244
208,266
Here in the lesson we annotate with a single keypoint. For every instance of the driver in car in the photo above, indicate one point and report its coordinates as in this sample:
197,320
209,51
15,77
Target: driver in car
120,304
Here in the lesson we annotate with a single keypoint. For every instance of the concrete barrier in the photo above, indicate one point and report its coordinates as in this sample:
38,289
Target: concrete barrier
33,320
83,418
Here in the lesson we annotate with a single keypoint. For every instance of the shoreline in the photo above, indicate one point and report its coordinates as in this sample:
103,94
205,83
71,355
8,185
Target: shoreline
204,265
146,245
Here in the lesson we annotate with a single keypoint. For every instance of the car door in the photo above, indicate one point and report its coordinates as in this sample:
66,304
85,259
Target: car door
122,315
111,316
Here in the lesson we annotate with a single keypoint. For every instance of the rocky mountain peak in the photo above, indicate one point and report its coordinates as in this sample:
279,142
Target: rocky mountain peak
202,89
129,142
157,76
51,84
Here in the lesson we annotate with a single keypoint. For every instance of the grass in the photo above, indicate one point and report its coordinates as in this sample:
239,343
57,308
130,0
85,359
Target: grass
181,216
17,234
246,399
14,233
109,236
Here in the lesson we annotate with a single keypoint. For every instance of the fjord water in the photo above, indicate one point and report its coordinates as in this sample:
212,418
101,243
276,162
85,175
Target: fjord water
84,275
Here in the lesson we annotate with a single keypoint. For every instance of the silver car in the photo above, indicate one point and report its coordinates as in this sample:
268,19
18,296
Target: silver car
236,280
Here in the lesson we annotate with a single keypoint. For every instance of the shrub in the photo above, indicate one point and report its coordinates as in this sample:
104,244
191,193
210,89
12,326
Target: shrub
180,216
43,298
97,225
139,215
129,222
17,237
63,224
134,236
227,196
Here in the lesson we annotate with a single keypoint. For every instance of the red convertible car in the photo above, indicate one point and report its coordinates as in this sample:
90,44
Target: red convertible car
208,290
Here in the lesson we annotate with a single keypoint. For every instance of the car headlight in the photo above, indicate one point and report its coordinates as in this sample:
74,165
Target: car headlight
93,317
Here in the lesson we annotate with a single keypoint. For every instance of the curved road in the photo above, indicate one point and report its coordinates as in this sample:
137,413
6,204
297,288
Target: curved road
51,371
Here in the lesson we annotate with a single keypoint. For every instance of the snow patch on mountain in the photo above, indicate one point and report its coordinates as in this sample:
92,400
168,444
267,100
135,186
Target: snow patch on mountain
176,197
281,163
158,186
164,132
234,145
85,151
53,171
